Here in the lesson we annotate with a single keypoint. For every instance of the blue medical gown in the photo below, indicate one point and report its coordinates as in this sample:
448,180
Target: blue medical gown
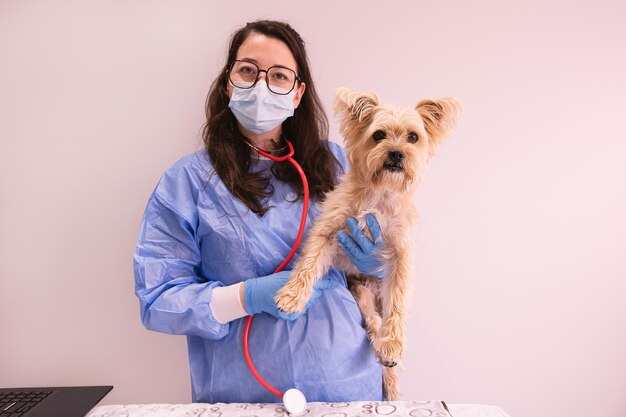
196,236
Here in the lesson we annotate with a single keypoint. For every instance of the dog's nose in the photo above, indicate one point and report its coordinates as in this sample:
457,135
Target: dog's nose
395,156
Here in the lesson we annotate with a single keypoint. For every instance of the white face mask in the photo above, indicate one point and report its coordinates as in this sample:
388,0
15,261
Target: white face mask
258,109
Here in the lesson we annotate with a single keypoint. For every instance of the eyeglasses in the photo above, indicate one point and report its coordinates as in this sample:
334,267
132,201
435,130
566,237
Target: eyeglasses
280,80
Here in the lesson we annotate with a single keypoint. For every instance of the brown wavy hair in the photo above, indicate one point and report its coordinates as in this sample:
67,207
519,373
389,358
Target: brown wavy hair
307,130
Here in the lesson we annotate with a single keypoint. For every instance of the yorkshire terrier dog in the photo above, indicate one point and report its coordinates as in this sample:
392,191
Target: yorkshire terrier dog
388,149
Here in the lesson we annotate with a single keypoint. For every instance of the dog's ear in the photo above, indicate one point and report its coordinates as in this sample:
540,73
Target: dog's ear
440,116
356,106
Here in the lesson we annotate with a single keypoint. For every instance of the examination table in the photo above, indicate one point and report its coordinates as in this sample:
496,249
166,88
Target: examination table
352,409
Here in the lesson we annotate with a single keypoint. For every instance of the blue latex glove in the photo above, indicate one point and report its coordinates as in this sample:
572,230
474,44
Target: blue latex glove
259,294
360,249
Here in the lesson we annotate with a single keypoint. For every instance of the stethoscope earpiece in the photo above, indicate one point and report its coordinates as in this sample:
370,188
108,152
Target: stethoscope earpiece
271,154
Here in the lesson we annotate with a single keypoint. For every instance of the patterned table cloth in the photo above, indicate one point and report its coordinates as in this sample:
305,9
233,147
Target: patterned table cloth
352,409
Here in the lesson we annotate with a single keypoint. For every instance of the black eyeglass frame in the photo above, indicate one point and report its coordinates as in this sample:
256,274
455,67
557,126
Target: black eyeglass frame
258,74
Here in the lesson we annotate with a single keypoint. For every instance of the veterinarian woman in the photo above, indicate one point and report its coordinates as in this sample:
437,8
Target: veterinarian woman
222,219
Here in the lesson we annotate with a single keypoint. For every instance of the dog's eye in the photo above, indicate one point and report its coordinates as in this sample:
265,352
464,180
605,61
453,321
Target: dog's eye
379,135
412,137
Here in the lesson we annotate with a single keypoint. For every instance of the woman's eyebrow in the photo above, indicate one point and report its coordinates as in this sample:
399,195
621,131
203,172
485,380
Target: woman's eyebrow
254,61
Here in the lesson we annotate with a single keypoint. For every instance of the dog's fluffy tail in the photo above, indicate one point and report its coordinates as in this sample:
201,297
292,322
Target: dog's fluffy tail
390,384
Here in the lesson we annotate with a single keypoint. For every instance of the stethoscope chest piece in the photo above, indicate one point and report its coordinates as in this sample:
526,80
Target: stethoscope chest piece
294,401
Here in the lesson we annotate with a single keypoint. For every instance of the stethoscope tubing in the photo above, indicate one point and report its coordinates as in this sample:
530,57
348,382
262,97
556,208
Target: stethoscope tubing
305,210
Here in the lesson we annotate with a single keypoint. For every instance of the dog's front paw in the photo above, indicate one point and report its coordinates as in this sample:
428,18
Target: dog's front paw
292,298
389,351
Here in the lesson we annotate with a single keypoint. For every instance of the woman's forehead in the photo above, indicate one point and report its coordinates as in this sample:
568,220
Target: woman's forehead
266,52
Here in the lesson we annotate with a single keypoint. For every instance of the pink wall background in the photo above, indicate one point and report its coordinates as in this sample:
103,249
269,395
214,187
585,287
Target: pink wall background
522,240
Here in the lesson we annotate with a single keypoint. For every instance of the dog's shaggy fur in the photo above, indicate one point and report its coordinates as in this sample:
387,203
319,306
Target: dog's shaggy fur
388,149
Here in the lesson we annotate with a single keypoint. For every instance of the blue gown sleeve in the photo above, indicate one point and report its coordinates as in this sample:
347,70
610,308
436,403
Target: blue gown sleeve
340,153
173,296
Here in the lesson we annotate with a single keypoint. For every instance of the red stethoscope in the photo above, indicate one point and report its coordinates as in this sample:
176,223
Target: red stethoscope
293,399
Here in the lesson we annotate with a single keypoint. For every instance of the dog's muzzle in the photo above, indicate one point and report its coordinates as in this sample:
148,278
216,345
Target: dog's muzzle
394,161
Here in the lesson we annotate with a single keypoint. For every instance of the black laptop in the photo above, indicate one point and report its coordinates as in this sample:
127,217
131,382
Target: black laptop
50,401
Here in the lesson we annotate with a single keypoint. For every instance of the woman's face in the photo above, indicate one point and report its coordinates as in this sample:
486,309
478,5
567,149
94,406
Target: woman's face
266,52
